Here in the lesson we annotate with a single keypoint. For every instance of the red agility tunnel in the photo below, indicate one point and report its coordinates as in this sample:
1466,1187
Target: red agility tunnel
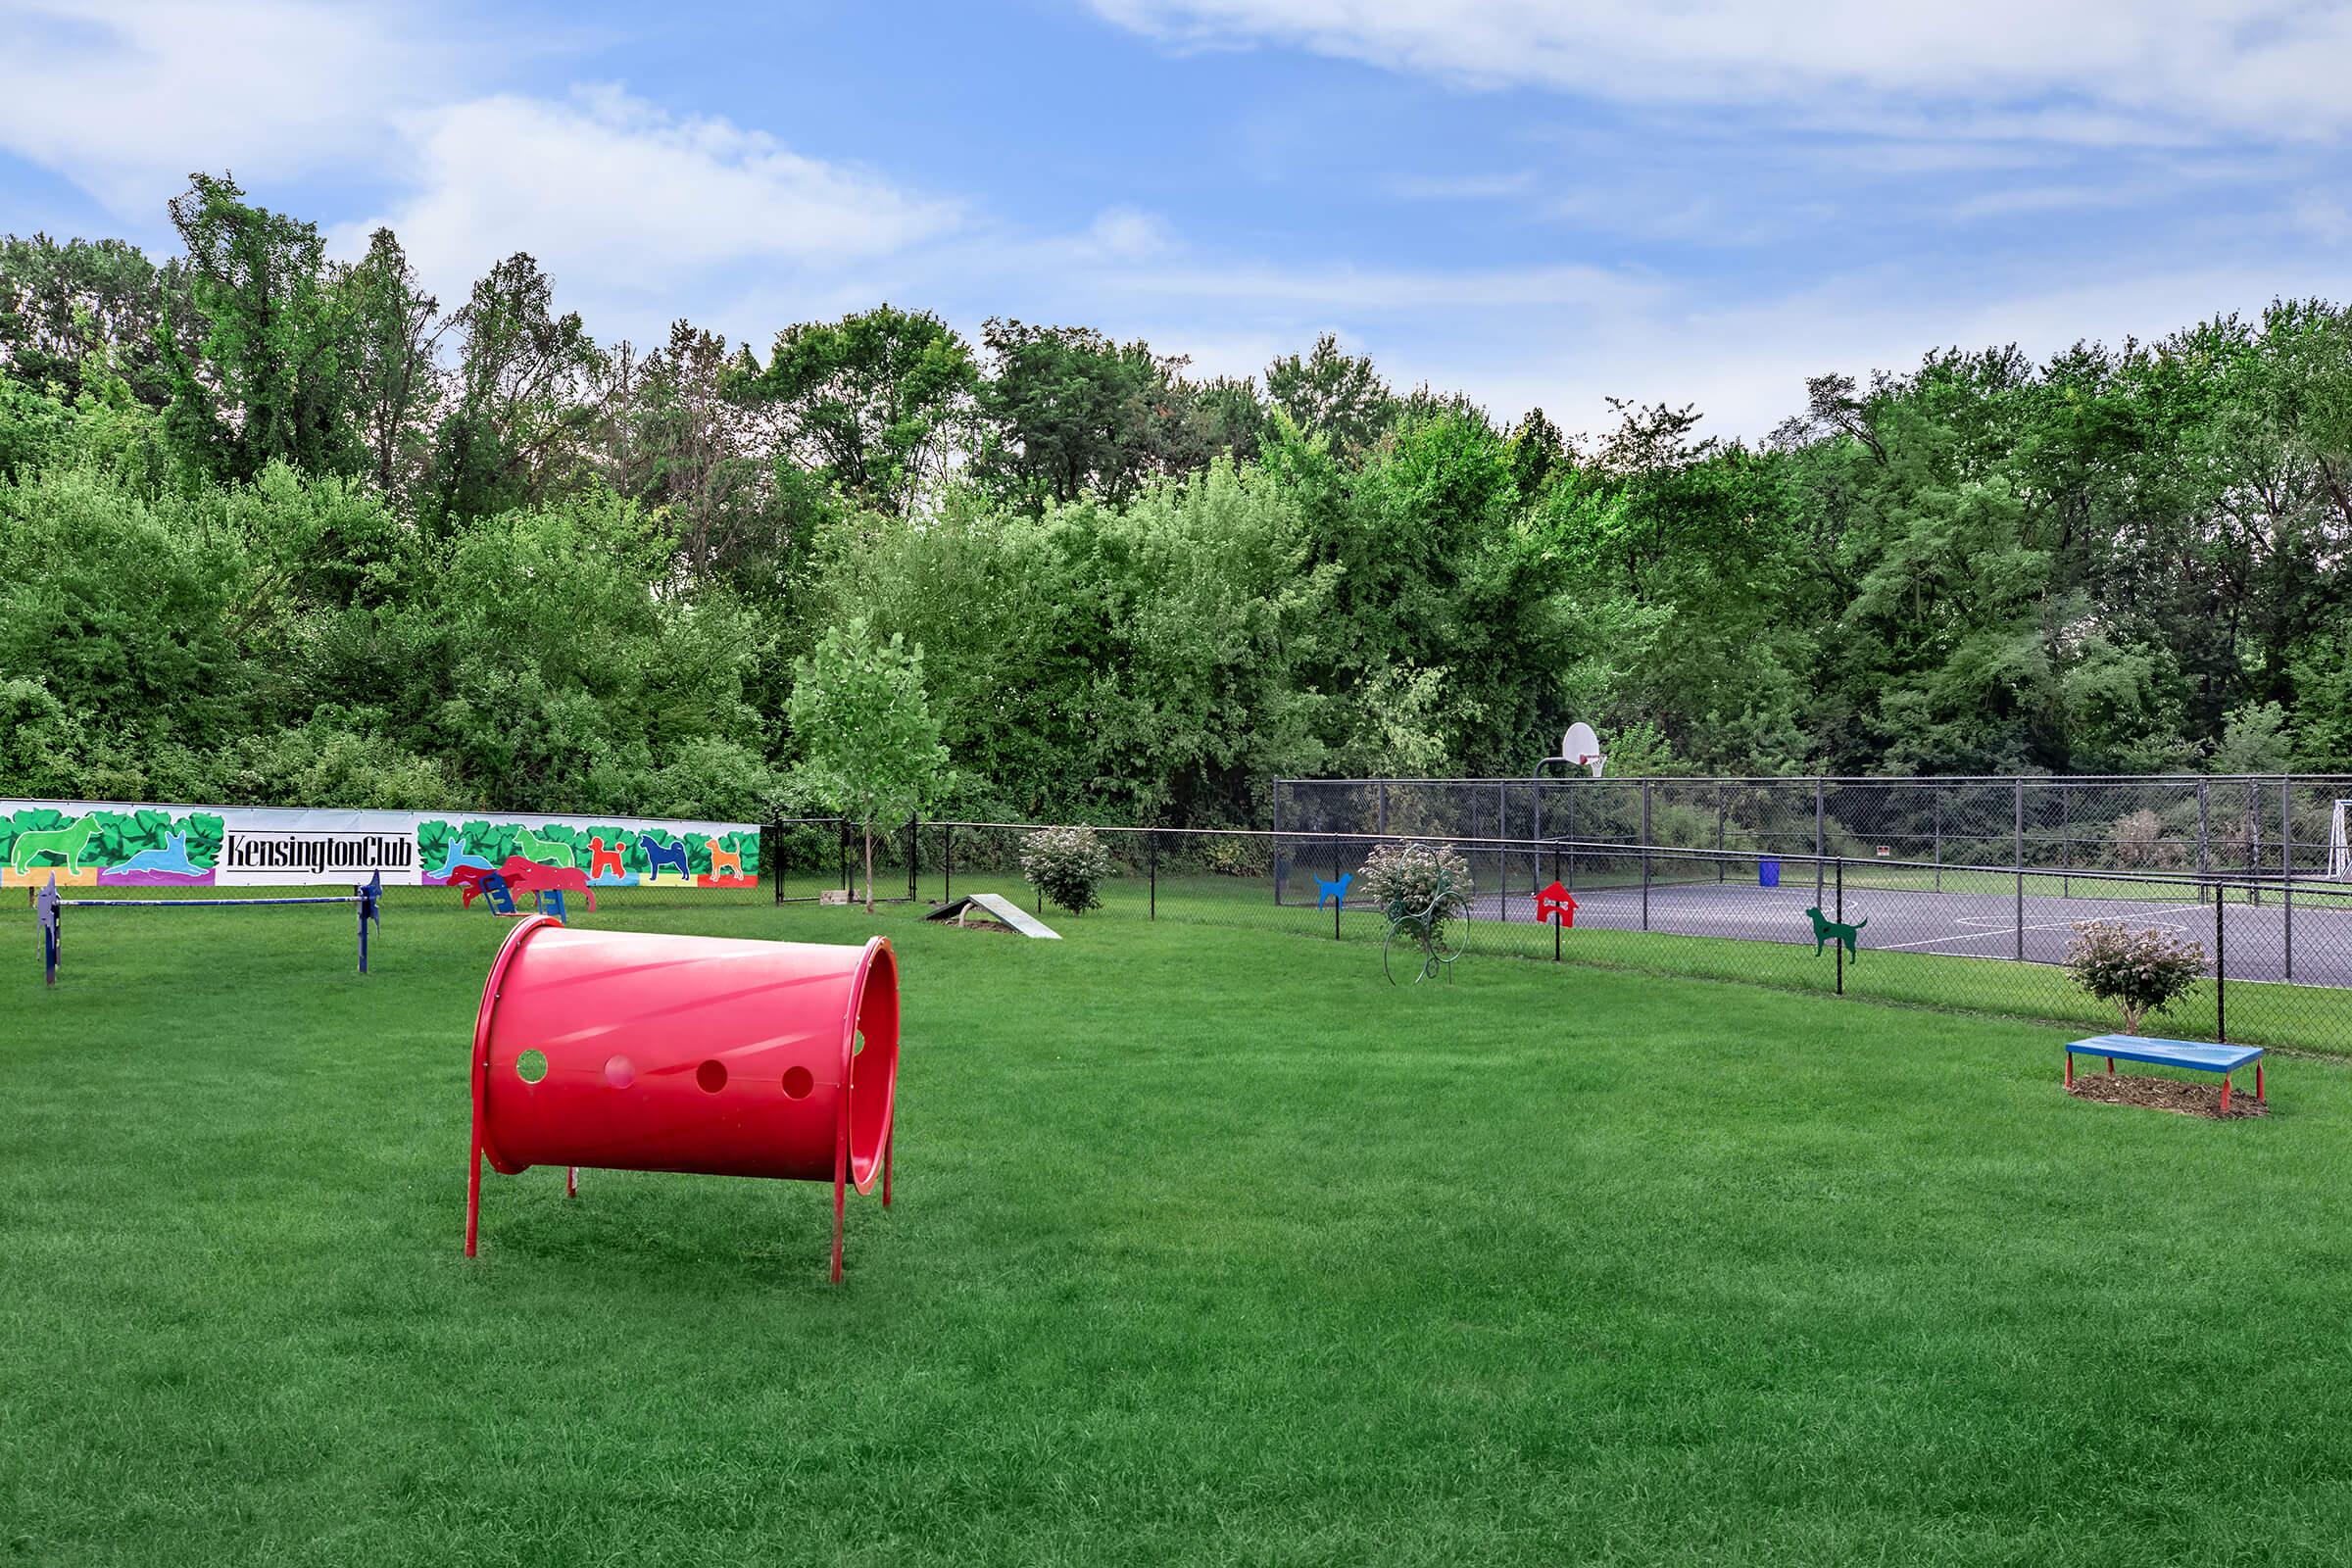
630,1051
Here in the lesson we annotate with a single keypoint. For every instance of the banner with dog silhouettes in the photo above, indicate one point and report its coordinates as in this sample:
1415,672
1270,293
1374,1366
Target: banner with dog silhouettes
119,843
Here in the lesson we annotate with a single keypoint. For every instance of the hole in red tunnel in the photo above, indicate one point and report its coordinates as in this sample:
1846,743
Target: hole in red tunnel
531,1066
798,1081
711,1076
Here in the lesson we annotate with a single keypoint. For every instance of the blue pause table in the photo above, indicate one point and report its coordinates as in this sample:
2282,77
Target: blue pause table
2223,1060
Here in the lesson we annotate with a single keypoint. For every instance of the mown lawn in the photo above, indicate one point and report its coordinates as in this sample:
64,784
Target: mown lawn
1210,1247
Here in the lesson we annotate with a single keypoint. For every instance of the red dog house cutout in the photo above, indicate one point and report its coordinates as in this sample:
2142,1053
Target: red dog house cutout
700,1054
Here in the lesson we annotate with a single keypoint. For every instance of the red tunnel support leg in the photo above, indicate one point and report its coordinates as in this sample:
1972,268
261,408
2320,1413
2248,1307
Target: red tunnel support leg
840,1195
474,1188
571,1181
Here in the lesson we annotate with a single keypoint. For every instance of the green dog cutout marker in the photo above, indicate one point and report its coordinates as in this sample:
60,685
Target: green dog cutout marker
1826,931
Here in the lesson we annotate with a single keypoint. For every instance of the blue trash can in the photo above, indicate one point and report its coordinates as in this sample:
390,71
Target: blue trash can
1768,873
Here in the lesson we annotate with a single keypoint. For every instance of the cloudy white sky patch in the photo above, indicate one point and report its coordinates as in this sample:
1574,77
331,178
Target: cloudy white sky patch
2162,69
619,197
1530,202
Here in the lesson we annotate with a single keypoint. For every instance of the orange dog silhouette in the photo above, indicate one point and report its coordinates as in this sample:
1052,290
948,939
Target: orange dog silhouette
725,862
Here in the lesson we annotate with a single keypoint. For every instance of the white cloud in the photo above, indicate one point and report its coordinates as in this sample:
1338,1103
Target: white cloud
2017,200
1745,365
126,100
1124,233
1463,187
1352,288
2325,220
2088,71
620,200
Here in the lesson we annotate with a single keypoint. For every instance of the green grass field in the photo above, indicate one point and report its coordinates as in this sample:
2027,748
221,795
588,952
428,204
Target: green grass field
1210,1247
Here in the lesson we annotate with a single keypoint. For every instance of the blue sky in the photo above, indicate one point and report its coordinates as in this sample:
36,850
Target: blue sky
1534,202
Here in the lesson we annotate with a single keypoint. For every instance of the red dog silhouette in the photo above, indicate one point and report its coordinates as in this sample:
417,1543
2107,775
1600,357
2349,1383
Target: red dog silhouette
602,860
529,876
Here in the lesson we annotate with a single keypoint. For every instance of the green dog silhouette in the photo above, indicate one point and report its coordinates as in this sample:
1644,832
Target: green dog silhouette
1826,930
547,852
67,843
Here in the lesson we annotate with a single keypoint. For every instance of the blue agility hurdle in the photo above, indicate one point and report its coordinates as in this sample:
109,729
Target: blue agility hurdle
49,911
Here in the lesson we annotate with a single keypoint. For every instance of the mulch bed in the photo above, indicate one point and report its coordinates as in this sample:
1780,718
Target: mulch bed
2177,1094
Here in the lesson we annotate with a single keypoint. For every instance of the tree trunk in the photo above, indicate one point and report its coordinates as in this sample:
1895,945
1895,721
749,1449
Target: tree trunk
869,868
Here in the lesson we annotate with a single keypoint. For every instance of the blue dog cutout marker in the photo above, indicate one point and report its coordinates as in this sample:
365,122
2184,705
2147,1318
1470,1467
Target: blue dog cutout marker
1334,894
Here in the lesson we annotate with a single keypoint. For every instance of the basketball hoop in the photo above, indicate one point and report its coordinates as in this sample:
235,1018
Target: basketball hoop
1580,748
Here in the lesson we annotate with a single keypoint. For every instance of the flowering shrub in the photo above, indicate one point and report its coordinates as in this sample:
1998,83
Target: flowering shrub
2136,842
1067,864
2140,971
1403,879
1232,857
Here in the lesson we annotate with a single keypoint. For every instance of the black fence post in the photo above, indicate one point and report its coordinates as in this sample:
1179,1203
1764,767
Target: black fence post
1572,838
1152,863
2204,835
1721,871
2253,843
1838,949
915,842
845,852
1334,878
2286,828
2221,968
2066,841
1821,823
1502,833
1940,838
775,859
2017,859
2286,899
1646,854
1556,914
947,867
1276,842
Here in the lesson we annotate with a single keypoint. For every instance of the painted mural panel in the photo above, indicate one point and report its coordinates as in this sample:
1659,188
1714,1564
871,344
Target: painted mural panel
116,844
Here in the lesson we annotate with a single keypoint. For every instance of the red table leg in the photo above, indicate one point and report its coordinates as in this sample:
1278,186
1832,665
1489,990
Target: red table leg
2110,1066
2225,1092
2070,1069
2258,1100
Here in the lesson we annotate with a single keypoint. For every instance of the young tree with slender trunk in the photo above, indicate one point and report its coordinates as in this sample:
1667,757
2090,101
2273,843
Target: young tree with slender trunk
869,746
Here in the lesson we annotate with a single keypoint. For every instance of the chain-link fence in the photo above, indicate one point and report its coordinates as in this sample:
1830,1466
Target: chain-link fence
2273,825
1987,939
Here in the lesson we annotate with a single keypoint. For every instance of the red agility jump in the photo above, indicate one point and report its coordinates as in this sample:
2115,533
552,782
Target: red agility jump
628,1052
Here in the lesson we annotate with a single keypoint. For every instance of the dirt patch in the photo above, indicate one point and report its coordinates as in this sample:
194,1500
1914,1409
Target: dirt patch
979,922
2178,1094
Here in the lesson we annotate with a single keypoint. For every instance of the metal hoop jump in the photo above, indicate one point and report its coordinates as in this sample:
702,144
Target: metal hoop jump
48,912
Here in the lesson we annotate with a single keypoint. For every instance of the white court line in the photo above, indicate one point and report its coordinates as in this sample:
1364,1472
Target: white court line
2012,930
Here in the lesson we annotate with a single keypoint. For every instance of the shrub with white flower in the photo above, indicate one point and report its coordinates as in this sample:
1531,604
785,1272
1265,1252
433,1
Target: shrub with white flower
2140,971
1067,864
1404,880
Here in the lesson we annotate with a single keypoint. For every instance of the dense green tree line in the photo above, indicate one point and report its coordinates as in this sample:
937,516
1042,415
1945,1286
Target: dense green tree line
282,527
